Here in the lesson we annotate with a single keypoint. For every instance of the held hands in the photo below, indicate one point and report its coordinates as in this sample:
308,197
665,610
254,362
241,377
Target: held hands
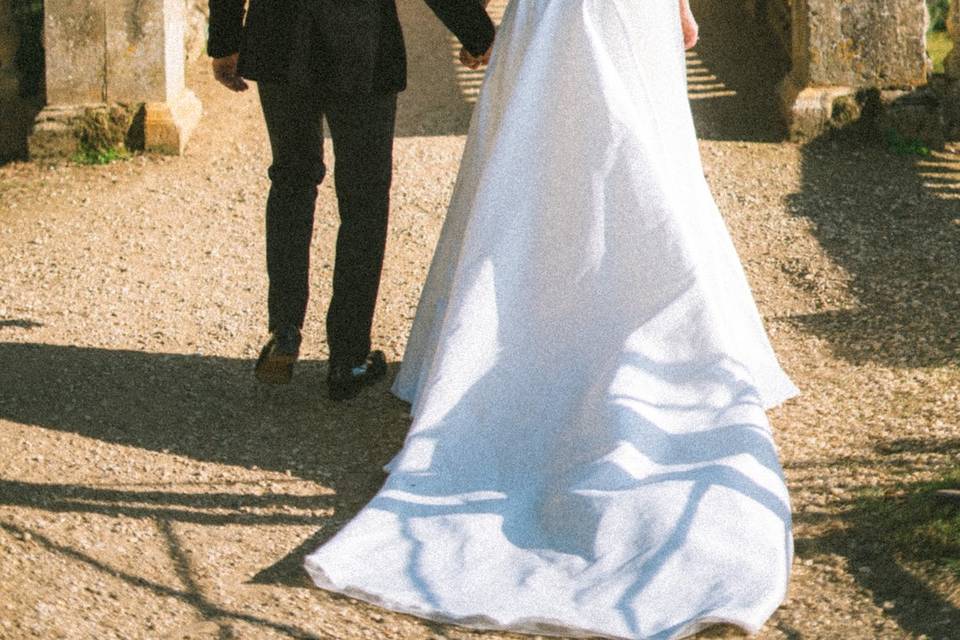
472,62
225,71
468,59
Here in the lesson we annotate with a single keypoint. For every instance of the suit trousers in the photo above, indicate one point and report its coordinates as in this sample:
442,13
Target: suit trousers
361,127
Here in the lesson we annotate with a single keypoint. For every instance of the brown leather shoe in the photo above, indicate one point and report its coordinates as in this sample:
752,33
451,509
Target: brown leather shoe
275,364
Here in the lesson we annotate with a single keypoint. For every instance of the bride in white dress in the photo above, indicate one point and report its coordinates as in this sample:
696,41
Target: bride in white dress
587,370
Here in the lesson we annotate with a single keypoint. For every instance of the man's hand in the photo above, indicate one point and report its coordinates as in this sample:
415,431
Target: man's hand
225,71
472,62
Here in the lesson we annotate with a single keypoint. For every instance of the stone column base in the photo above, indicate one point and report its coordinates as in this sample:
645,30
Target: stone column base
57,132
812,111
167,126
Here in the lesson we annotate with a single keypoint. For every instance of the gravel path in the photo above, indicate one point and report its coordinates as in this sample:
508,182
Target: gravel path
151,489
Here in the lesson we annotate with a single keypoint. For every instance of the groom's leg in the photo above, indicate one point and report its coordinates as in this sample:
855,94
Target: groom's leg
362,128
293,119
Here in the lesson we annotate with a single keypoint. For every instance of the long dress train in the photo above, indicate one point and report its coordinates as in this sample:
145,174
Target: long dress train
588,371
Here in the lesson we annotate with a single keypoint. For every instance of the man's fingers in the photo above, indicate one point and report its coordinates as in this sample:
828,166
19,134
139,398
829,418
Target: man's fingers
231,81
225,71
238,84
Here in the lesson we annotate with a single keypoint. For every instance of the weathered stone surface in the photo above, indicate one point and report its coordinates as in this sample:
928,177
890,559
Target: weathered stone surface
135,50
62,131
841,48
55,134
124,52
859,43
196,16
168,125
74,36
812,111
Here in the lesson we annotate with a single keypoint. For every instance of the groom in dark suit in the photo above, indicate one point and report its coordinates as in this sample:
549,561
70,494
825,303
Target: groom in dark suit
343,60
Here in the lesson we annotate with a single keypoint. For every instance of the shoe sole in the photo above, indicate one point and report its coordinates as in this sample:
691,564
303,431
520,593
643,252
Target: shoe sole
276,369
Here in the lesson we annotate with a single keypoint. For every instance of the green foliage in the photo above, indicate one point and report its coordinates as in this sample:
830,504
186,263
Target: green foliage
898,144
90,156
939,9
919,525
939,45
104,133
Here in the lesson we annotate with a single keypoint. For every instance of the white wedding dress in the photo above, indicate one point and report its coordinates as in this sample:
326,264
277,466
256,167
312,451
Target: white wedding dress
587,369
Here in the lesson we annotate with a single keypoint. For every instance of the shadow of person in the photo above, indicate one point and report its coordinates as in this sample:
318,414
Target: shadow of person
207,408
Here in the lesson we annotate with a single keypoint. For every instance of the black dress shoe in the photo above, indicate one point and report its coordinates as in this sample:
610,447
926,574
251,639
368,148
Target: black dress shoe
275,364
346,381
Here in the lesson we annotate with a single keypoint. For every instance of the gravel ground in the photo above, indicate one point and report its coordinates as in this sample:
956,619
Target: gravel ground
151,489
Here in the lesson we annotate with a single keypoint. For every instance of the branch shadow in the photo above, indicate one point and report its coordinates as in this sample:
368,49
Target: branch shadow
190,594
890,223
20,323
869,539
208,409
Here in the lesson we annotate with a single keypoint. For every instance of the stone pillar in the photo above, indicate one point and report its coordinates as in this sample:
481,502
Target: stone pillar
840,48
109,61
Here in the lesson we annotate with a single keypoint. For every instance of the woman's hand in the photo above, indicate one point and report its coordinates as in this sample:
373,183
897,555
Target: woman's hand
472,62
225,71
691,30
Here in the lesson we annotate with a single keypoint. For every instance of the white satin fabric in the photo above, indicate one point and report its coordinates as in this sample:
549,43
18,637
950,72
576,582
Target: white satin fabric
588,371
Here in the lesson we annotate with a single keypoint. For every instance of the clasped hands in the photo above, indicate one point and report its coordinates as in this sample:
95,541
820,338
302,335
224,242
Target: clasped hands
471,61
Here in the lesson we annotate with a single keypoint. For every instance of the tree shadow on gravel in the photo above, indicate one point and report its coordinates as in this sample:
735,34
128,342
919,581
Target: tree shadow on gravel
20,323
191,594
891,222
886,537
209,409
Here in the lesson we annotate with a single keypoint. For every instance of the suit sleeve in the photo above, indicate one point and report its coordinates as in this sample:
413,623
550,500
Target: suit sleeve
468,20
226,27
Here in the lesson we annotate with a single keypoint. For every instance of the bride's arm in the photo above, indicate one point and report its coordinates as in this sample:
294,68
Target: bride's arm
691,31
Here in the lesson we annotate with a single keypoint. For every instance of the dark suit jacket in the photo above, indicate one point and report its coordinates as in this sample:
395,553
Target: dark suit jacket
268,38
